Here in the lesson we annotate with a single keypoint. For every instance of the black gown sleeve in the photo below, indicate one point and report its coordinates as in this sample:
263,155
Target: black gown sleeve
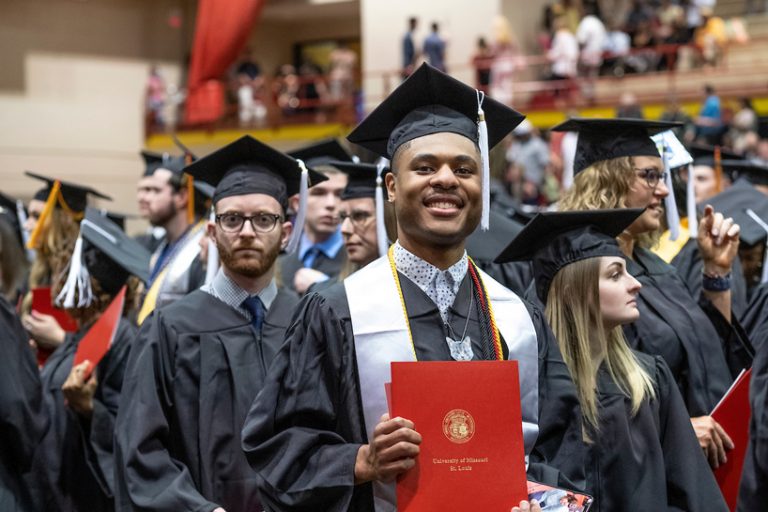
147,476
737,346
691,485
303,431
100,434
753,491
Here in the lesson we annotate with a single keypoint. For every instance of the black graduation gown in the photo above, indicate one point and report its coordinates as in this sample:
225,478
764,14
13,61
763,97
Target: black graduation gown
290,264
755,318
689,267
23,421
304,429
652,460
753,493
68,474
704,351
196,367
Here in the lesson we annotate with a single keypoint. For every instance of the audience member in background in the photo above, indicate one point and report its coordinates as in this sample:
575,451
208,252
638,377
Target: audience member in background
639,14
564,55
529,152
591,35
570,11
285,89
506,61
709,123
342,68
617,46
155,98
629,108
409,48
673,113
434,48
710,37
482,61
744,122
761,153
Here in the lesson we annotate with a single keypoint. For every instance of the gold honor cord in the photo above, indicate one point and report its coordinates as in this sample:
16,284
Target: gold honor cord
485,303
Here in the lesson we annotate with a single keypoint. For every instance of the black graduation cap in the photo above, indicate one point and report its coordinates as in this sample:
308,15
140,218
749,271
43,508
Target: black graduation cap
361,178
9,209
117,218
704,154
248,166
605,139
427,102
735,201
75,196
755,173
553,240
322,153
105,252
486,245
154,161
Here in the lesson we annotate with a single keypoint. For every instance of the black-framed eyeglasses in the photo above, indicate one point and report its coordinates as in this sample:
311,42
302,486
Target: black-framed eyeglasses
652,176
356,217
261,222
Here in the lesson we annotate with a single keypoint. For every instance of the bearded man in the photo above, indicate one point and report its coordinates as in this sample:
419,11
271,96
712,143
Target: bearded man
199,362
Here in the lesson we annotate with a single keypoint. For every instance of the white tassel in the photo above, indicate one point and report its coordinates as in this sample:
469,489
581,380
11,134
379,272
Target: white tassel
762,224
482,129
693,220
78,280
673,216
22,215
212,265
301,211
381,228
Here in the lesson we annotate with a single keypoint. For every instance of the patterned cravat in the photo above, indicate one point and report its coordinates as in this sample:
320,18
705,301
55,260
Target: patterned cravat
256,308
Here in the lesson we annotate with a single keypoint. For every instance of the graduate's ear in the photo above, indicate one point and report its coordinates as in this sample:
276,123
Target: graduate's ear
286,235
293,202
389,181
210,228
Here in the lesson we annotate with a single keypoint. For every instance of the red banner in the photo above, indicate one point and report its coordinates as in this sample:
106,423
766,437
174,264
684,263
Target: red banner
221,32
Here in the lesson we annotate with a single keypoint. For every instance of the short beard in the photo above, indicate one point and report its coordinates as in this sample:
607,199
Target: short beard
251,268
164,216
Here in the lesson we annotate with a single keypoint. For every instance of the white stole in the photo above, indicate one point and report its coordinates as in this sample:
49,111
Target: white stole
381,337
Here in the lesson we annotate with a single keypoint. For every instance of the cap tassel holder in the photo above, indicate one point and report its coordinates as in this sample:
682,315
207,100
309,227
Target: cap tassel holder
212,266
381,228
301,211
22,215
45,215
693,224
673,216
482,130
762,224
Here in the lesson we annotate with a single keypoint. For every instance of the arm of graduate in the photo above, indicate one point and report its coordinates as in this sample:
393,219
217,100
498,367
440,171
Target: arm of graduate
691,484
305,429
147,477
23,421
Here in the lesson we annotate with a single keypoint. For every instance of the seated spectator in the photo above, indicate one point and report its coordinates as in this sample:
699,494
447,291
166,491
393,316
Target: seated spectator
709,123
342,69
482,61
710,37
673,113
286,89
617,45
564,53
591,35
629,108
531,154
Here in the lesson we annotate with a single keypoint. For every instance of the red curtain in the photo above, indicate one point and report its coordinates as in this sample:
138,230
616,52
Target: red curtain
221,32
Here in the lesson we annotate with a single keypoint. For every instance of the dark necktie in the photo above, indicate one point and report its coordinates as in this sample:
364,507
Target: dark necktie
256,308
310,256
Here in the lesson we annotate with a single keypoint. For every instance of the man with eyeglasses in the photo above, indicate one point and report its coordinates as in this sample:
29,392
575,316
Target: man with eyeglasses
198,363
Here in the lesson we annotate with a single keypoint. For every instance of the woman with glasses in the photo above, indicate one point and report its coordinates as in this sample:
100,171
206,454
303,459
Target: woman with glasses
618,166
629,442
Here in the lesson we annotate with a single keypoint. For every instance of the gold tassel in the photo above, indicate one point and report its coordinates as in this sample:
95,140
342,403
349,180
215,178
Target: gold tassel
191,199
45,216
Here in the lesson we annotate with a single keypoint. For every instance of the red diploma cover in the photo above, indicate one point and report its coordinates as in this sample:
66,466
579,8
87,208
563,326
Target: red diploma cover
733,413
42,303
472,454
98,339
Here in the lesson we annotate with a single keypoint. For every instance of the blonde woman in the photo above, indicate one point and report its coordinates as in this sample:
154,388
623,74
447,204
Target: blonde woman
618,166
630,435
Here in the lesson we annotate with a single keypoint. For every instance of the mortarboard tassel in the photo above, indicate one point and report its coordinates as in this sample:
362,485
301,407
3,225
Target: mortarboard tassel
482,129
212,266
762,224
670,205
191,199
381,228
45,216
22,215
693,224
78,280
301,211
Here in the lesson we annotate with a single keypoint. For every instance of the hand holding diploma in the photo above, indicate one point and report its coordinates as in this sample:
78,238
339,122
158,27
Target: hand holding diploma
392,452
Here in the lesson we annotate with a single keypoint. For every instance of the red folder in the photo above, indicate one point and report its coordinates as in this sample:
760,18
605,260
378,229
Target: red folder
733,413
98,339
472,453
42,303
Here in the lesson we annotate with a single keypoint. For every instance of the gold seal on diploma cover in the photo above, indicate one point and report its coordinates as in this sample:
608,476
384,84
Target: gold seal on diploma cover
458,426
